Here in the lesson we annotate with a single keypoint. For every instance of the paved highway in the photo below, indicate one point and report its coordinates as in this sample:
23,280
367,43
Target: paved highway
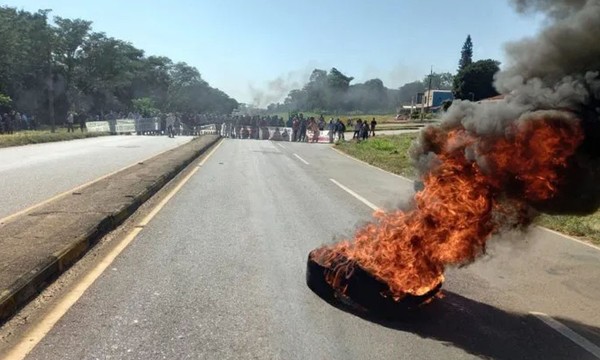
219,274
33,173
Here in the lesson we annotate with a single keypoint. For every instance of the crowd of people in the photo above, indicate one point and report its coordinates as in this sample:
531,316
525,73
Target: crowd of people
303,129
335,128
15,121
297,128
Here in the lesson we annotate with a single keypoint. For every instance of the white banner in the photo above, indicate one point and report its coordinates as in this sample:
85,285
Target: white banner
275,133
125,126
97,126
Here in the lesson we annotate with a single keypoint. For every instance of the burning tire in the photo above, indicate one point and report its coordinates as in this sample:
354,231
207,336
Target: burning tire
358,288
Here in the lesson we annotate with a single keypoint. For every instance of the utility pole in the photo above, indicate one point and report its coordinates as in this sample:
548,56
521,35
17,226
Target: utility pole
425,99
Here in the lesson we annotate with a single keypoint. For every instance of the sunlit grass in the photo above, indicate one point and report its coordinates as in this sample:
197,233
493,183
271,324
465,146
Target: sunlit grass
387,152
43,136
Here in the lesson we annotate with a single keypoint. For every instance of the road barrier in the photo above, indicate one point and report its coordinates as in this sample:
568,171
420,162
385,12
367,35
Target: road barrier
120,126
147,126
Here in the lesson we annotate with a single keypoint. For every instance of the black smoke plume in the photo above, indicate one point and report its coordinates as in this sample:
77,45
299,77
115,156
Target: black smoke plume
556,70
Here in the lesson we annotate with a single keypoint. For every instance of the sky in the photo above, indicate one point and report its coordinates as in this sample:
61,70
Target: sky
258,50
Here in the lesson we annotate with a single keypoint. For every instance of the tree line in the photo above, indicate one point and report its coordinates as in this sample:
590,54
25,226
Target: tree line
48,69
332,92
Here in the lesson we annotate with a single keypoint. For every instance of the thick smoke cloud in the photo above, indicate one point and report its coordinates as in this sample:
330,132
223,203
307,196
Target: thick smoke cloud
556,70
569,46
278,88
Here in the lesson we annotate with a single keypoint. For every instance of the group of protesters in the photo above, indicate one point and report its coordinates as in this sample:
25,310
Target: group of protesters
303,129
15,121
297,128
336,128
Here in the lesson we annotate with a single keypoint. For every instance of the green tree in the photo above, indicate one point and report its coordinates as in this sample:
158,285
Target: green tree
476,80
466,54
70,37
145,107
408,92
47,68
439,81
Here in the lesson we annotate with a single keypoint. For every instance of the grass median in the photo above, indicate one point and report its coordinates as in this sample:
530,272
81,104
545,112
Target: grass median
390,152
37,137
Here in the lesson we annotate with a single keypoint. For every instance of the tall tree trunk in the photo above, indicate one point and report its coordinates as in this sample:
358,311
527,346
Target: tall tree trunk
51,94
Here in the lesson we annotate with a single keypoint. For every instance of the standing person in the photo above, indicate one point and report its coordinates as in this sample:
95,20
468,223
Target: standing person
70,121
357,126
177,126
303,129
373,124
321,123
8,122
82,125
341,129
295,129
316,131
364,130
17,123
170,124
331,130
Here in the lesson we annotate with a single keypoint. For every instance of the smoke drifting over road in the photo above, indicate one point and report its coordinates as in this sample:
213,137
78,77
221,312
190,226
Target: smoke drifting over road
277,89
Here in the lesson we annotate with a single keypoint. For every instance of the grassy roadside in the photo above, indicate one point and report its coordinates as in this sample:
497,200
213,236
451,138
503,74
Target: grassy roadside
390,152
387,152
37,137
587,227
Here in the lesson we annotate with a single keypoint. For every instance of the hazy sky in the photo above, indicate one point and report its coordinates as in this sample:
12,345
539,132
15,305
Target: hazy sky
243,46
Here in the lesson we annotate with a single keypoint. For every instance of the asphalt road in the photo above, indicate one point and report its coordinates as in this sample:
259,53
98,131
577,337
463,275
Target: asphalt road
219,273
33,173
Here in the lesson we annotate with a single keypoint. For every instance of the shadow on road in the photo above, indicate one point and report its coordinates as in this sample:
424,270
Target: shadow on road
486,331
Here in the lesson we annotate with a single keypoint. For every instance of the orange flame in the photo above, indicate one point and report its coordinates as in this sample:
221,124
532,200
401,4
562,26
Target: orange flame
477,184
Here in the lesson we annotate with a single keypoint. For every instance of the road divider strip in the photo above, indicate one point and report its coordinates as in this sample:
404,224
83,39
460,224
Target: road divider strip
10,217
63,230
35,335
568,333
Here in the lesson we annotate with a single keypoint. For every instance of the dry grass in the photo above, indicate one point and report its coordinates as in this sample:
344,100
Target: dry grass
36,137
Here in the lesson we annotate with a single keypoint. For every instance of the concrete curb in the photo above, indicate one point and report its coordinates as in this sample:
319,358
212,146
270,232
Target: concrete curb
27,286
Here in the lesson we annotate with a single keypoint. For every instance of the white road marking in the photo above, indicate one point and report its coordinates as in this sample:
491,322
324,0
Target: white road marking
301,159
568,333
362,199
42,328
280,145
570,238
